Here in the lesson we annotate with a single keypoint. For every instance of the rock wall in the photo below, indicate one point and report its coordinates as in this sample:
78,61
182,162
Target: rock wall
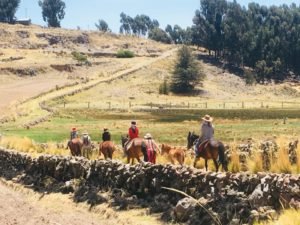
240,198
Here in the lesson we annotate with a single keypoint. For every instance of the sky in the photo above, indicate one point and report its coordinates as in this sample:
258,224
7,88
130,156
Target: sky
86,13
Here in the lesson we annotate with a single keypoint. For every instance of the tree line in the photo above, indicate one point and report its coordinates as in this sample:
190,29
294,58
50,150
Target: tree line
53,11
266,39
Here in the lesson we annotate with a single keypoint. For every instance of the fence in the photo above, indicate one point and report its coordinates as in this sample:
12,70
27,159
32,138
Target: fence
109,105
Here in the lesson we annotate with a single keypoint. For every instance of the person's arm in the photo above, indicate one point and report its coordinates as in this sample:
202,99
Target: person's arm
102,136
137,131
156,146
108,135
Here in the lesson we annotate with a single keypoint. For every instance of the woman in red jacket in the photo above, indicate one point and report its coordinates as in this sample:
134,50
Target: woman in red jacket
133,131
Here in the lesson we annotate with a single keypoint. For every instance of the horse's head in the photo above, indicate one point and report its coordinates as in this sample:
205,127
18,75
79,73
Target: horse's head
165,149
191,138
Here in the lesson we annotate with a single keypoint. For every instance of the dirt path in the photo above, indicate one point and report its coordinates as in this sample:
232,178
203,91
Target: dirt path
24,207
32,107
21,89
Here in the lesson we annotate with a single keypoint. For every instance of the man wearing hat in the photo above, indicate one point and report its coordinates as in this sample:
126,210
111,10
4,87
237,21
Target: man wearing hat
206,133
106,135
87,145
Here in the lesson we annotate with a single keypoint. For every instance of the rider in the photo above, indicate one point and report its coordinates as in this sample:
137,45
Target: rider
133,131
73,134
86,139
106,135
206,133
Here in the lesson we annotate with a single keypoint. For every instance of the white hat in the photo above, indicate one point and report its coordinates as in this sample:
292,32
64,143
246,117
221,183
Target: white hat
148,136
207,118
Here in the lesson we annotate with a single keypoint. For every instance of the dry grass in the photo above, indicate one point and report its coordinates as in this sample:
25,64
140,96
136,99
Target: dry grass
234,165
255,163
288,217
282,163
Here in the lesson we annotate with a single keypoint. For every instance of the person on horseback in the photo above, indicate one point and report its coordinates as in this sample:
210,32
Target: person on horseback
106,135
73,134
151,148
133,131
86,139
206,133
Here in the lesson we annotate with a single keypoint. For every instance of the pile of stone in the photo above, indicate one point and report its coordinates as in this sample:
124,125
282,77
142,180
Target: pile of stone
240,197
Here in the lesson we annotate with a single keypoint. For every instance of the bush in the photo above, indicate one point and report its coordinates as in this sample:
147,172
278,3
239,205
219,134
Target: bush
81,58
125,54
164,88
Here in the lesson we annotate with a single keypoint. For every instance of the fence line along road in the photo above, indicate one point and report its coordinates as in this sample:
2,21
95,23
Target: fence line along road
187,105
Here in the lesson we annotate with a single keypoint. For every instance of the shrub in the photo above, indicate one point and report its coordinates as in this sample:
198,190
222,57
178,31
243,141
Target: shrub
79,57
125,54
164,88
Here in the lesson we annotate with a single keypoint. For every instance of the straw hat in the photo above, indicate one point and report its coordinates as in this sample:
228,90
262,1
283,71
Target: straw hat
148,136
207,118
85,133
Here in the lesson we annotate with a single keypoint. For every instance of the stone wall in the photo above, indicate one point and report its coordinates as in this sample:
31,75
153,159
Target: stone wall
234,198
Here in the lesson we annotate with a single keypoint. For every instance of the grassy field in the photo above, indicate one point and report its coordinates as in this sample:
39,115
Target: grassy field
166,127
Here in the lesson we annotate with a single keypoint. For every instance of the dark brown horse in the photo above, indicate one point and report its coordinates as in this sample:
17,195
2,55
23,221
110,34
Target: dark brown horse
212,150
134,149
173,153
75,146
107,148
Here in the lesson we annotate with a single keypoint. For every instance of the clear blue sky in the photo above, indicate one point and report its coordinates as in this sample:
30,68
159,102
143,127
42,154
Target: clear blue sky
86,13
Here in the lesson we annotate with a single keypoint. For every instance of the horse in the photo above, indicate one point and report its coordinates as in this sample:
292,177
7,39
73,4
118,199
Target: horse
86,150
107,148
75,146
133,149
211,150
173,153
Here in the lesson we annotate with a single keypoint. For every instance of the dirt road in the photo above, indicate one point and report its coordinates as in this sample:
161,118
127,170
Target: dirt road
21,89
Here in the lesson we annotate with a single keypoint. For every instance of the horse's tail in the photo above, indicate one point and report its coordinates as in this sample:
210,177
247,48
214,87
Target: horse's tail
221,151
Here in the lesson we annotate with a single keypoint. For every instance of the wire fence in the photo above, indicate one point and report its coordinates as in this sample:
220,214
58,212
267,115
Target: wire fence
131,105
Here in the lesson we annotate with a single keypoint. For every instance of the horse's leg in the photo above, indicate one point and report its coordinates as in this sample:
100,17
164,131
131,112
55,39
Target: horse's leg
195,161
206,164
216,164
128,159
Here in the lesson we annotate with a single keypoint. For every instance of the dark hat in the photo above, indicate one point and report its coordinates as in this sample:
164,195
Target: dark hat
105,129
133,122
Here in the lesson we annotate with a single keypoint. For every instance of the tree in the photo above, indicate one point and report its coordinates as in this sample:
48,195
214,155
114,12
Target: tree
53,11
8,9
187,73
102,26
160,35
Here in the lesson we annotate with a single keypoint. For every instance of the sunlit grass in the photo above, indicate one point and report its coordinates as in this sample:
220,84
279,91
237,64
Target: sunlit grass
287,217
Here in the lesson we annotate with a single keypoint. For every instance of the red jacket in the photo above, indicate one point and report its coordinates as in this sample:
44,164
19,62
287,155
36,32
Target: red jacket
133,133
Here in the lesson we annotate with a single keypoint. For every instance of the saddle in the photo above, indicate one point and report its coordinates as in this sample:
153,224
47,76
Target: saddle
205,143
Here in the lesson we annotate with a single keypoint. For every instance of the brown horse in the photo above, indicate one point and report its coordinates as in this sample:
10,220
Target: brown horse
134,149
75,146
107,148
212,150
173,153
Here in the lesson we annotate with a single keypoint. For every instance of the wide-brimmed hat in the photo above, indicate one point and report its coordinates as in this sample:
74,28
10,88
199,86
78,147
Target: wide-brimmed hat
207,118
105,129
133,122
148,136
74,128
85,133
